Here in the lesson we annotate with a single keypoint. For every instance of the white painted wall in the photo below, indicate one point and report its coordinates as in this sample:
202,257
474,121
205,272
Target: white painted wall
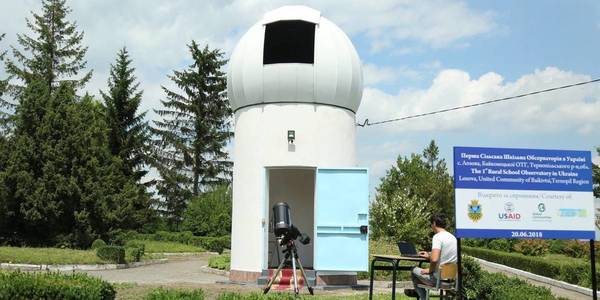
325,138
296,187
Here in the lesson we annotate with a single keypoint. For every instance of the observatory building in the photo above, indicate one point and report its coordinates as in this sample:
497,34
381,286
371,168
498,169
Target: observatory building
295,84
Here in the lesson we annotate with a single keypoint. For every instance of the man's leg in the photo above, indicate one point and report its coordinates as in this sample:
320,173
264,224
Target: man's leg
418,278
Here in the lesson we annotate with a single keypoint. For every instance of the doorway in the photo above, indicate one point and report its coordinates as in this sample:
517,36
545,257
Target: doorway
296,186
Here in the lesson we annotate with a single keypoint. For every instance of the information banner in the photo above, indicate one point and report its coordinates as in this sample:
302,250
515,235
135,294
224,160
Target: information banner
523,193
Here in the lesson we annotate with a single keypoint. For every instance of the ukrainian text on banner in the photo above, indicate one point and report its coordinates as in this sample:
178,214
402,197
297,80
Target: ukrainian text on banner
523,193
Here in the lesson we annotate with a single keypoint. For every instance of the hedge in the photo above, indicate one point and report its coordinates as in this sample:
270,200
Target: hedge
169,294
479,284
19,285
114,254
573,272
214,244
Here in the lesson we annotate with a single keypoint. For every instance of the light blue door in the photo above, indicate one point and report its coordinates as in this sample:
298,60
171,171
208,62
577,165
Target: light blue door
342,207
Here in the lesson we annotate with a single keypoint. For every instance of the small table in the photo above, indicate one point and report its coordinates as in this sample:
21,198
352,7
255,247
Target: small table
394,260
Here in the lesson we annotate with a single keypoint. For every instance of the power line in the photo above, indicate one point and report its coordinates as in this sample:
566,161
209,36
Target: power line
367,123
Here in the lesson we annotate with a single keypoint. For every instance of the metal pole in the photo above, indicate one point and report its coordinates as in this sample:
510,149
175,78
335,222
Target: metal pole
593,260
459,277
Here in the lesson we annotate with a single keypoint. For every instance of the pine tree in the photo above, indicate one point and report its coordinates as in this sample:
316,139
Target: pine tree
5,106
128,134
195,127
54,55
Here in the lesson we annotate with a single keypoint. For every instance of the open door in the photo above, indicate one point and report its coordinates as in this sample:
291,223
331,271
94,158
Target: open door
342,207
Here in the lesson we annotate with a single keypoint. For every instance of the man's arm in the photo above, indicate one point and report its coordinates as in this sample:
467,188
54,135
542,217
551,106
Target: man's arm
433,262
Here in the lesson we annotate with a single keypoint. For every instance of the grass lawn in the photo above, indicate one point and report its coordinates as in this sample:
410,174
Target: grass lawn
168,247
134,291
382,247
52,256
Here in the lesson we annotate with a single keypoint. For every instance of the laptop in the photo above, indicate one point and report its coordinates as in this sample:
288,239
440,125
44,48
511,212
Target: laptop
407,249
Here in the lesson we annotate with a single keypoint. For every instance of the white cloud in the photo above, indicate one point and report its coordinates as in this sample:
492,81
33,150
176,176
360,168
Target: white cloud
574,109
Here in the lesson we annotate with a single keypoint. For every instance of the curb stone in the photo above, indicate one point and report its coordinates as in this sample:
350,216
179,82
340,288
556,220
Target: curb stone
207,269
96,267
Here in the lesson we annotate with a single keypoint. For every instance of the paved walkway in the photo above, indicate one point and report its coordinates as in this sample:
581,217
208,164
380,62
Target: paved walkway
183,269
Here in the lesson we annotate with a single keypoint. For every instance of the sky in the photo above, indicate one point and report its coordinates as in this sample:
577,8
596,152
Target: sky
417,56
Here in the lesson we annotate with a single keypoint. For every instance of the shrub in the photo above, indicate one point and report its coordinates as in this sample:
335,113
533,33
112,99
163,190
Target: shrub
169,294
114,254
556,246
97,244
576,273
257,296
479,284
136,244
221,262
135,254
210,213
19,285
214,244
534,247
500,245
210,243
578,249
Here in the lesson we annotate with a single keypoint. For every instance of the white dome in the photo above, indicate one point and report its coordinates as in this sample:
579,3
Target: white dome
330,74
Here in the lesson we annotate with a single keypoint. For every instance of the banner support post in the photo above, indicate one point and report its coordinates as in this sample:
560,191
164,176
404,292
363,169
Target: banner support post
593,263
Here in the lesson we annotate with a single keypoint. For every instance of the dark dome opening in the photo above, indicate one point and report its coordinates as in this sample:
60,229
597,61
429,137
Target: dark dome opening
289,42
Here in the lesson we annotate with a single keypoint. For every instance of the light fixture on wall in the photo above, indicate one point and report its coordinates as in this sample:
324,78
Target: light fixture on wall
291,136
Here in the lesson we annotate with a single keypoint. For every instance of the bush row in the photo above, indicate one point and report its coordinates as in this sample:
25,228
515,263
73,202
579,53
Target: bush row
19,285
578,273
479,284
170,294
536,247
214,244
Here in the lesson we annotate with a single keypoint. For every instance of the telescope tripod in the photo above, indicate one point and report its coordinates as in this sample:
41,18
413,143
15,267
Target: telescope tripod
290,255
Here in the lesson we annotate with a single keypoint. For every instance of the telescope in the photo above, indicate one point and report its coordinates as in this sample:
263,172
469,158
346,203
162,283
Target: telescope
283,228
287,234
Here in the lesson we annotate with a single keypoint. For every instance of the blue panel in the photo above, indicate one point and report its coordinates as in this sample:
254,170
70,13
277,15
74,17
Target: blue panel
342,206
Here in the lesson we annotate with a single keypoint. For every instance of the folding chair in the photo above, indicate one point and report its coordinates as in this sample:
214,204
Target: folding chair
446,282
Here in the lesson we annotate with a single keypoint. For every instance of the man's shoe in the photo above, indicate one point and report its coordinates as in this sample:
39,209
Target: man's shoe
411,293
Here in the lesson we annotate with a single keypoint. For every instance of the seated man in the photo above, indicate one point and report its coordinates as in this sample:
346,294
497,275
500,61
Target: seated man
443,250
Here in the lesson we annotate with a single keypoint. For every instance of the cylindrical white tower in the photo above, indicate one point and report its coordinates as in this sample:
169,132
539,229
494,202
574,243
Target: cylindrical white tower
292,71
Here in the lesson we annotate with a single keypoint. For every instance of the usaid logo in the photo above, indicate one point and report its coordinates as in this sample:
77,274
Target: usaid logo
509,213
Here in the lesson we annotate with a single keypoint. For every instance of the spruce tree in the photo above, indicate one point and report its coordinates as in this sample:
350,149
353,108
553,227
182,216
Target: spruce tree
128,134
195,127
5,106
55,53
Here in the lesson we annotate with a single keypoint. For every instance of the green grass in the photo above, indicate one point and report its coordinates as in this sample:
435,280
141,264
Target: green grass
221,262
383,247
51,256
168,247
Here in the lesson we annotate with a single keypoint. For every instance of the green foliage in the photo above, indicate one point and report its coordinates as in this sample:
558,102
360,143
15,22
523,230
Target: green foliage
97,244
210,213
50,256
572,272
54,54
221,262
170,294
479,284
135,249
193,132
214,244
534,247
410,192
39,285
115,254
574,248
501,244
128,132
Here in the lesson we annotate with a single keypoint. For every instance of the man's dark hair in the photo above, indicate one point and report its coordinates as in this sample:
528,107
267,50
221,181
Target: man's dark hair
439,219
